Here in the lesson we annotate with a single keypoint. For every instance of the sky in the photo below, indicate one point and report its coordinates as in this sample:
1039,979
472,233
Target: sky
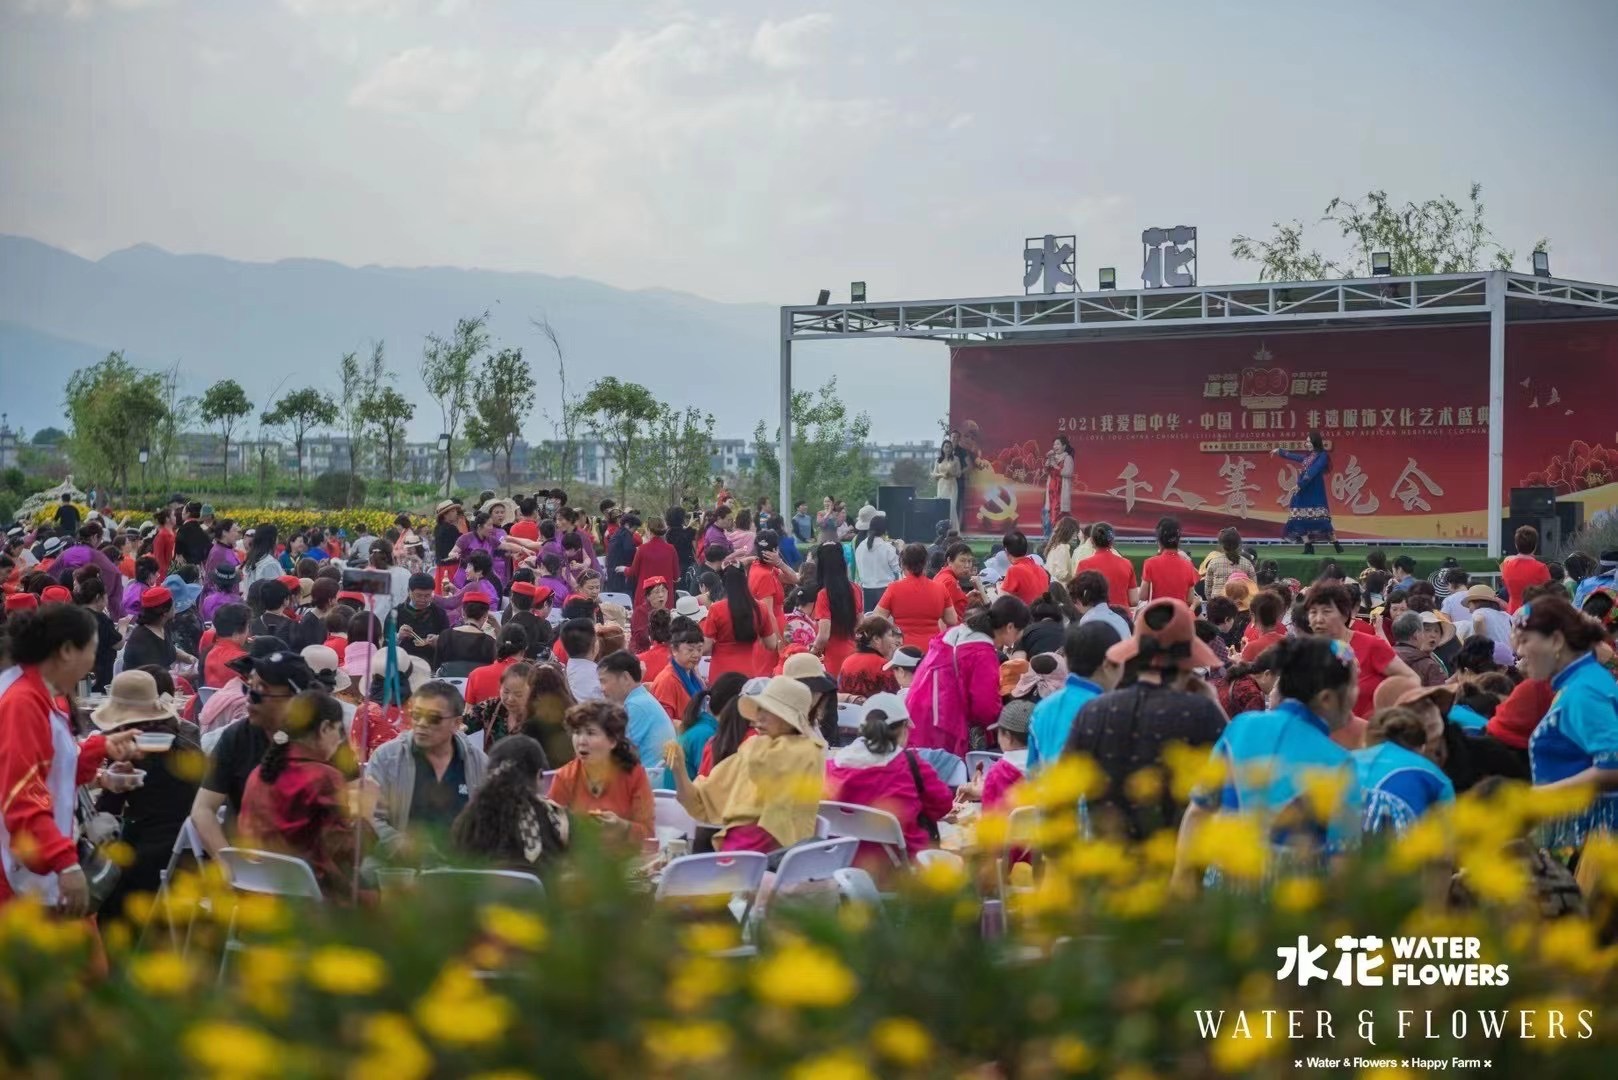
759,151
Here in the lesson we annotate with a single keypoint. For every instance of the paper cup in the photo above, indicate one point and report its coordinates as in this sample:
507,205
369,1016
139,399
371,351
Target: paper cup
154,742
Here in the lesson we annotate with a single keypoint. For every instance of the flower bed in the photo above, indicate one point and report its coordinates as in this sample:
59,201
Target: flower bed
1102,974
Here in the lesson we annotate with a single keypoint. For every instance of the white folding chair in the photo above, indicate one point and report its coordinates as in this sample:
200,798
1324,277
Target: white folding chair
457,682
668,813
806,864
266,874
856,886
822,827
546,779
203,694
721,874
623,600
980,759
477,739
187,840
494,884
940,857
850,716
1022,831
950,768
867,823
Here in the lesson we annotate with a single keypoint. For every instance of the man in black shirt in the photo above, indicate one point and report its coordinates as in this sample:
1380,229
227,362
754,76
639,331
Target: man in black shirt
277,619
420,619
191,540
1125,730
272,681
531,610
67,516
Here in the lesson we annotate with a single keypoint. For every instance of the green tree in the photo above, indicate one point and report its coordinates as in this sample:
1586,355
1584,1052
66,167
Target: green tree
619,414
449,372
300,412
178,413
676,459
359,384
909,472
48,436
829,455
556,461
501,401
1439,236
113,408
224,405
386,413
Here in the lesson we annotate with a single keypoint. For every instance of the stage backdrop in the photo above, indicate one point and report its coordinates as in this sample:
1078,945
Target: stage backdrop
1185,426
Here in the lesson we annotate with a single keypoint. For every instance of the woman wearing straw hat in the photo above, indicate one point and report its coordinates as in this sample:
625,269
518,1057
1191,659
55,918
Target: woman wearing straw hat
765,794
154,803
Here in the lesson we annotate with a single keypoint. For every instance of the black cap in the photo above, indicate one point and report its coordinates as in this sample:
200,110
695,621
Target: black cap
278,669
421,581
258,646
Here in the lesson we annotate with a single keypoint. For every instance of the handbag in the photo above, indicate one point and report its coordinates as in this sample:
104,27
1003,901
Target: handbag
928,825
101,874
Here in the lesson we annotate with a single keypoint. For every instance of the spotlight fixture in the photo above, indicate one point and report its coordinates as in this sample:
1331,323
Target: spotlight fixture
1542,263
1108,277
856,292
825,298
1381,264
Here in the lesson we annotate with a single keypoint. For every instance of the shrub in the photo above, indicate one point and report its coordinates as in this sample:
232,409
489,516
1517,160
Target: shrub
331,490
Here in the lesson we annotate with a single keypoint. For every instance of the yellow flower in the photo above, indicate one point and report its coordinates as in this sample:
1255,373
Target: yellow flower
161,974
1071,778
1323,791
1072,1054
1571,943
520,929
690,1043
1141,900
1298,894
1424,842
1388,1073
803,975
710,937
460,1011
257,913
992,831
1053,895
1235,843
231,1049
119,853
1548,804
1161,849
837,1065
942,877
1100,859
697,981
393,1052
503,1074
1192,769
902,1041
1145,786
1236,1055
1495,876
188,765
339,969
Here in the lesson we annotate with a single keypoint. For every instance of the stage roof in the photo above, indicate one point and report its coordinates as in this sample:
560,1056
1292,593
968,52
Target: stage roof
1425,300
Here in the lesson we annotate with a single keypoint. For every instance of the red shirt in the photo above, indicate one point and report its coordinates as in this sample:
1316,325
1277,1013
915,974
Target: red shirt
163,549
656,558
838,646
301,813
1520,573
524,530
1253,649
1119,572
862,674
652,661
917,603
214,671
1516,717
952,590
338,643
765,584
1374,656
1170,574
484,682
747,657
1025,579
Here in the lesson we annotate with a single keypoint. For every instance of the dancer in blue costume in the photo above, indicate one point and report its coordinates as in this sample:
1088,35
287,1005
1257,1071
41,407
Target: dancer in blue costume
1310,516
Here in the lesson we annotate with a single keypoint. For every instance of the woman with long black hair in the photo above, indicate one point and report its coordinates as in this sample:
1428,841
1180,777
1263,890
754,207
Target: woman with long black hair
739,634
837,608
507,822
261,563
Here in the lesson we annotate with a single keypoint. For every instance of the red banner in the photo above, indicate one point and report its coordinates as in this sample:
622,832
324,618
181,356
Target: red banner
1185,426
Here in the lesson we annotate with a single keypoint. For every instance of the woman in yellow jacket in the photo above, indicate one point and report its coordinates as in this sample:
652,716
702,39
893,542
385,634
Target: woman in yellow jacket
765,795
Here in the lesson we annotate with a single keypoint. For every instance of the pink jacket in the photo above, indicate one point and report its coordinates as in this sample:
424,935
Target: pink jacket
957,686
855,775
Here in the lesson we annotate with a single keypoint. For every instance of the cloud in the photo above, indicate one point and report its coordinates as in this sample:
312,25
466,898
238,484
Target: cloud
83,9
308,9
788,44
960,120
420,80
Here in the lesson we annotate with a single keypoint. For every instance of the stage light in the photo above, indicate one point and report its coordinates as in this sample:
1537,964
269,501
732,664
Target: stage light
856,292
825,298
1108,277
1542,264
1381,264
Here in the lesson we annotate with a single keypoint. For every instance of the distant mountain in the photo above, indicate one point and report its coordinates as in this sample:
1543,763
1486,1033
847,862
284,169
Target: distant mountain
261,323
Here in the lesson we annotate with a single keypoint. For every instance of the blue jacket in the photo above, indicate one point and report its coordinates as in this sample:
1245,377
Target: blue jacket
1053,718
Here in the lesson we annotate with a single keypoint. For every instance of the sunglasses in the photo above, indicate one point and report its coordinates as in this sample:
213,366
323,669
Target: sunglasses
429,718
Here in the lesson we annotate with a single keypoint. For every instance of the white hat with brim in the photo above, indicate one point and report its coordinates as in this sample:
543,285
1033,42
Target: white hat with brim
691,608
862,520
323,659
786,698
412,669
132,698
891,706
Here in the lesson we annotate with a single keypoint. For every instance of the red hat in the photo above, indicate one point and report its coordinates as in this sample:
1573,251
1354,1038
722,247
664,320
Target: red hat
156,596
1172,644
55,594
291,582
22,601
351,595
524,588
653,582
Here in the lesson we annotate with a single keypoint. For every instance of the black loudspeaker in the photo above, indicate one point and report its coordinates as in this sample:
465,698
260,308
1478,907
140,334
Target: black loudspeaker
1570,515
925,514
1532,502
1549,528
894,503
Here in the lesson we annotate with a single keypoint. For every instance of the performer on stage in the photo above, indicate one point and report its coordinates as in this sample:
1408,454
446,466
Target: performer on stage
1310,516
1058,483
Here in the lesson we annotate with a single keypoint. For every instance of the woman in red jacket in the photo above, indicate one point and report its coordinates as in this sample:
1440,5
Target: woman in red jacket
41,763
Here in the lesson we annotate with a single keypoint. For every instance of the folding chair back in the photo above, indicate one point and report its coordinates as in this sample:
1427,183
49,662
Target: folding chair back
623,600
203,694
856,886
822,827
720,874
458,680
808,863
668,813
849,717
268,873
980,760
940,857
869,824
546,779
490,884
950,769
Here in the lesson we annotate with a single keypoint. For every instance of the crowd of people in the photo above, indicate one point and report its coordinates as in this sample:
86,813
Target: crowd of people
484,686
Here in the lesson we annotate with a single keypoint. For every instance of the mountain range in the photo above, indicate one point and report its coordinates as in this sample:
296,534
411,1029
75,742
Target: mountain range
288,323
